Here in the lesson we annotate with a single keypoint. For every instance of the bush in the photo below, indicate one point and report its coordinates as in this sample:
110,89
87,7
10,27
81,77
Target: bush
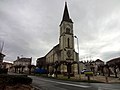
66,74
88,73
3,71
15,79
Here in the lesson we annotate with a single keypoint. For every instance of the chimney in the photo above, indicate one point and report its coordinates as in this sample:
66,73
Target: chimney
18,58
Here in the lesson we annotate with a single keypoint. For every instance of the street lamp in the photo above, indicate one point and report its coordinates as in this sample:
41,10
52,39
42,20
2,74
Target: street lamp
78,57
77,46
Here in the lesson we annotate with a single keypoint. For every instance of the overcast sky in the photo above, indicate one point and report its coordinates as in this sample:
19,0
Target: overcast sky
30,28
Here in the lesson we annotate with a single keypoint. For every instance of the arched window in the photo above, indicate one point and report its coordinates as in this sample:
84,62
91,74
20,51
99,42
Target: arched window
67,30
68,41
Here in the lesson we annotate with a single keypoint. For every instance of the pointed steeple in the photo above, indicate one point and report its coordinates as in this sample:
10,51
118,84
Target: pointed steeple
66,15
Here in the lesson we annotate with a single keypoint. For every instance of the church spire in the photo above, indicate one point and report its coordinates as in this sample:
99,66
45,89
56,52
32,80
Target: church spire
66,15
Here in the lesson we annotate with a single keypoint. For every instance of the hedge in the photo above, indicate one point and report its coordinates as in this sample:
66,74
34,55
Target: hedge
14,79
88,73
3,71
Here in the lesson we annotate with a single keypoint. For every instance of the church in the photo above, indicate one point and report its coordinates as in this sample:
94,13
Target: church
64,51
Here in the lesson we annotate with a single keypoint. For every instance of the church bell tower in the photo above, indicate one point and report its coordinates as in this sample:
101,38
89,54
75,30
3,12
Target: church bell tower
66,38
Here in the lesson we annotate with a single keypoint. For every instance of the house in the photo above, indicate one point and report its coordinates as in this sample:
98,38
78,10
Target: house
7,65
113,61
99,62
91,65
114,66
21,64
1,59
41,62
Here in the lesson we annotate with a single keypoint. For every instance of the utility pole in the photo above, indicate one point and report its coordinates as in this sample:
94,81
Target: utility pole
79,71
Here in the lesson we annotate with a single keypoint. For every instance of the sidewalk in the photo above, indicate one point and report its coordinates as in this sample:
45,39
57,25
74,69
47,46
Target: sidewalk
103,79
83,77
100,78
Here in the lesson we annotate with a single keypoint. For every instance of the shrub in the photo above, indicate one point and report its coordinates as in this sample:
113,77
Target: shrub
14,79
89,73
3,71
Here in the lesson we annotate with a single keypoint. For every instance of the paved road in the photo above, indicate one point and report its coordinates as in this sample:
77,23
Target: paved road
52,84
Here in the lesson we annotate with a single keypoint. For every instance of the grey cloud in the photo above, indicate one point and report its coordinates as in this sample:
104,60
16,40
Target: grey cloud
31,27
110,55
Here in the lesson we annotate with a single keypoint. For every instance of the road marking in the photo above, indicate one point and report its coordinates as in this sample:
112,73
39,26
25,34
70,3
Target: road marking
76,85
104,88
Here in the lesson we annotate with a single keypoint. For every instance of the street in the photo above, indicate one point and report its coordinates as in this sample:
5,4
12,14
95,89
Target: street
52,84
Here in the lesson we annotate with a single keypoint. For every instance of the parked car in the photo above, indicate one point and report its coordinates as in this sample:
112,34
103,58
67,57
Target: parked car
84,70
40,71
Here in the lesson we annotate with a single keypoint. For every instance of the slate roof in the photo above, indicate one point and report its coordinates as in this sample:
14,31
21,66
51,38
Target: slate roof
66,16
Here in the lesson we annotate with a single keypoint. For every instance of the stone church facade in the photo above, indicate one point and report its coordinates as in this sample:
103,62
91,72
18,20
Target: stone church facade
64,51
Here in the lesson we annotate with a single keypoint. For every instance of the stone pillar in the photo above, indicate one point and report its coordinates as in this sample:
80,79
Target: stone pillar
61,69
75,68
50,69
65,68
77,76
